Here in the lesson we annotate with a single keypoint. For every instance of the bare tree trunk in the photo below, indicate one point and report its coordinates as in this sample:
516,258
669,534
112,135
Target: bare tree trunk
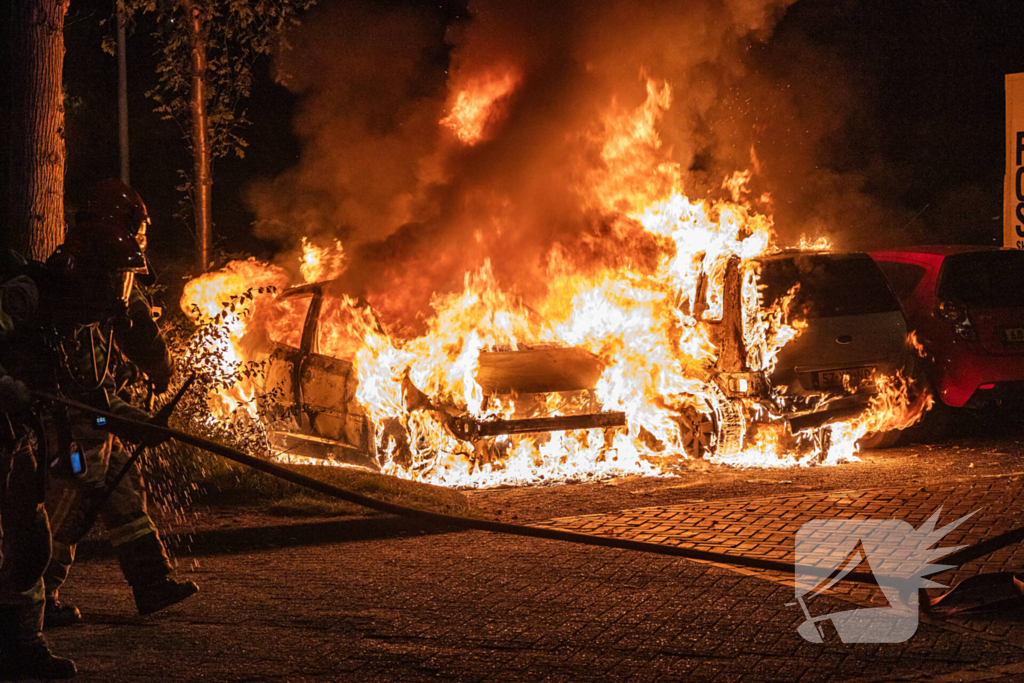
122,94
35,191
201,181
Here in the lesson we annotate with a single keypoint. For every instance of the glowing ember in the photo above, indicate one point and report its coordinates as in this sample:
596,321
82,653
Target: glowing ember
649,342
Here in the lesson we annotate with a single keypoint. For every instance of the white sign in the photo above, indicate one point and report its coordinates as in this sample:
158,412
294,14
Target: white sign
1013,187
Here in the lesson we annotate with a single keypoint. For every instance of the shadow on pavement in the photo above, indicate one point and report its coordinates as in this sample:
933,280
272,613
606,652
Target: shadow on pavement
226,541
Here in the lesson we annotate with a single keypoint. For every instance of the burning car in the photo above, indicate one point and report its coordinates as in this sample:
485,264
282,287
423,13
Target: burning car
311,409
853,332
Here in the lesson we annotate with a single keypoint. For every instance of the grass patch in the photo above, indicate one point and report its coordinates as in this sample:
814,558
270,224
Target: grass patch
218,481
306,505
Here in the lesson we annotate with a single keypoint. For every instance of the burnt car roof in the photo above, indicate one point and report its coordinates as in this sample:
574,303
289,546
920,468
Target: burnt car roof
302,289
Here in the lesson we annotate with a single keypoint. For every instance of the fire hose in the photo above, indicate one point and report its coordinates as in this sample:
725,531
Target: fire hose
437,519
160,418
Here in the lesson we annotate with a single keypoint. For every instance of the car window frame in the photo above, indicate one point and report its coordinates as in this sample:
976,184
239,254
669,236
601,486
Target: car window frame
951,259
851,255
312,316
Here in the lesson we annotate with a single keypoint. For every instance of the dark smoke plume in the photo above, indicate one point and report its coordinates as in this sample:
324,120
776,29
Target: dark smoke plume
415,207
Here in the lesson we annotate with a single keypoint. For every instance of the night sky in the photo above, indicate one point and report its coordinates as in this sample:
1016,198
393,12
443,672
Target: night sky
933,74
928,89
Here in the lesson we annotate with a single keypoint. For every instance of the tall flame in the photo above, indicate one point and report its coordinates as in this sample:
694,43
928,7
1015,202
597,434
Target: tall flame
322,263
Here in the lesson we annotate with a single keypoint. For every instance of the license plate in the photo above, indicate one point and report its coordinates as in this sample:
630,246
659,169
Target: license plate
1013,335
837,379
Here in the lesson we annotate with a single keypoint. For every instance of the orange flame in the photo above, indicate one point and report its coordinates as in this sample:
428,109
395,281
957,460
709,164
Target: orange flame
322,263
207,295
475,107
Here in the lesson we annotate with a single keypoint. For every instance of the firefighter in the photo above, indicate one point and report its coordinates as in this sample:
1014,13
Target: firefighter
113,216
24,528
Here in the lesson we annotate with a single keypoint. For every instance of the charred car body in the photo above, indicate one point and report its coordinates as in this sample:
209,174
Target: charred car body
854,331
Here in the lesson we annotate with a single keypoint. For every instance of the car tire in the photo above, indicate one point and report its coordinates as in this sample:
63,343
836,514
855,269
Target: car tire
880,440
934,425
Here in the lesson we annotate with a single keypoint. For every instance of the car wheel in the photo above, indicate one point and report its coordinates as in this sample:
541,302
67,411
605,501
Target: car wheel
934,425
879,440
731,427
696,432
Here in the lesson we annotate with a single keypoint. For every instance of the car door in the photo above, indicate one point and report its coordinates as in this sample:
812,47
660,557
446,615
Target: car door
287,331
328,379
313,412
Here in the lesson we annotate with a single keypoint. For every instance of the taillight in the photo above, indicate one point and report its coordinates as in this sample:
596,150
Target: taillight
956,314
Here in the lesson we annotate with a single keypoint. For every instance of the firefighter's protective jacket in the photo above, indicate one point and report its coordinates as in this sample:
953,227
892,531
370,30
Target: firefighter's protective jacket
72,359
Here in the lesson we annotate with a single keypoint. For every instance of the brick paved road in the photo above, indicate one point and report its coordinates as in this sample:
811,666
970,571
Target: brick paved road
766,528
360,601
474,607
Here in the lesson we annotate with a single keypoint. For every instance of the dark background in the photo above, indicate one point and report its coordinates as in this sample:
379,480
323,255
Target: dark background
934,71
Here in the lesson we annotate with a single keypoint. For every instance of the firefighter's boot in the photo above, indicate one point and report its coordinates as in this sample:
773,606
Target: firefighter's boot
153,597
23,649
59,614
145,566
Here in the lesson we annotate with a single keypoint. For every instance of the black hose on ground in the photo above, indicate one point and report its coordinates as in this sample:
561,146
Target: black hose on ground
437,519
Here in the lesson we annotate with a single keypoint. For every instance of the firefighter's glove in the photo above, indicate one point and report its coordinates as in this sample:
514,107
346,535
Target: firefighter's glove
14,396
137,434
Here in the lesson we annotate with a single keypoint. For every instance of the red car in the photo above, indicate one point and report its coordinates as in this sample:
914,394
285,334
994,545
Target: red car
966,304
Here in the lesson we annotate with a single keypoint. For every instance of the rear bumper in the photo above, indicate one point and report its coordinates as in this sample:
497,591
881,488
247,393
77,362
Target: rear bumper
802,381
958,378
836,410
1002,392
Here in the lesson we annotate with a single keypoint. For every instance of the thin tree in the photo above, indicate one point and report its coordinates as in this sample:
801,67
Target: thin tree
35,183
122,94
207,50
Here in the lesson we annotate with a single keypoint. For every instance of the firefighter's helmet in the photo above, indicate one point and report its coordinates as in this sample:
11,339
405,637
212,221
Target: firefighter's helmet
103,252
112,201
110,228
